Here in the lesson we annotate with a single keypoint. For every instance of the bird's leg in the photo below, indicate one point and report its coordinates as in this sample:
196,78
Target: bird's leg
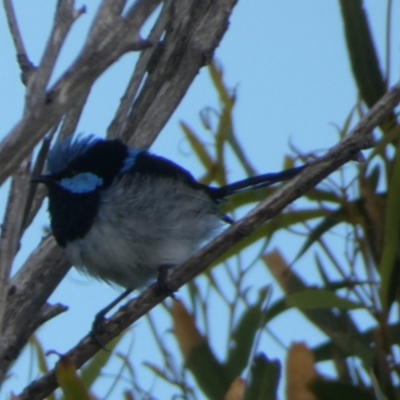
99,318
162,284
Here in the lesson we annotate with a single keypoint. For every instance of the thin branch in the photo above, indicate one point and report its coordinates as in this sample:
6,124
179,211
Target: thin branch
11,230
27,293
36,193
65,16
117,124
72,117
108,12
388,43
72,86
48,312
22,57
347,150
189,44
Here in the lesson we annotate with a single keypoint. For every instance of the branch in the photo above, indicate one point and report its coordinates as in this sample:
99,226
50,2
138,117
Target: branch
116,127
47,265
65,16
27,293
76,82
360,138
192,34
22,57
11,230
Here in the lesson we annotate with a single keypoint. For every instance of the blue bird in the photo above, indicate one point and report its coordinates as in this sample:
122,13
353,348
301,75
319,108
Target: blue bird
122,214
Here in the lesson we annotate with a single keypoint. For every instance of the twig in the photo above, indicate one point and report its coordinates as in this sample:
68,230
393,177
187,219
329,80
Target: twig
72,117
27,293
22,57
11,230
188,45
72,86
108,12
117,124
65,16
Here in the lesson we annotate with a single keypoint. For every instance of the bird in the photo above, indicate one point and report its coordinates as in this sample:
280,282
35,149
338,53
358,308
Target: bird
124,214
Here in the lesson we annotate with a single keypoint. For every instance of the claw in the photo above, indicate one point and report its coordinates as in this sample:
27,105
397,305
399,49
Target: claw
161,281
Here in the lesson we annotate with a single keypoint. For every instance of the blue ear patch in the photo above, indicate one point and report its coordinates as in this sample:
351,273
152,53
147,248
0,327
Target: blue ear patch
85,182
129,161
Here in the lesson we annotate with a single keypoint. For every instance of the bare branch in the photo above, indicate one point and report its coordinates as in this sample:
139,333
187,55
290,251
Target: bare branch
360,138
71,87
49,311
11,230
108,12
64,18
22,57
116,126
185,49
27,293
36,192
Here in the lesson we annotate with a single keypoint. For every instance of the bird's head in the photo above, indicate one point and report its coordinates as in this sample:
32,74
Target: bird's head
85,165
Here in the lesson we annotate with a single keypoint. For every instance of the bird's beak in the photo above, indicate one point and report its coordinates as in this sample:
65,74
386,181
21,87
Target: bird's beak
46,179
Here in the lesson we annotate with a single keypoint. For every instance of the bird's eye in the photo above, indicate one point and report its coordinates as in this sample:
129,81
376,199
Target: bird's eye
71,173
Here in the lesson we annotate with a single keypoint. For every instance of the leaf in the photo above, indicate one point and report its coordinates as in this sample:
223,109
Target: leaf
216,74
236,390
378,391
320,298
208,372
42,363
282,221
197,146
242,338
392,235
186,332
264,379
338,326
200,360
362,53
71,384
300,372
334,390
325,226
91,371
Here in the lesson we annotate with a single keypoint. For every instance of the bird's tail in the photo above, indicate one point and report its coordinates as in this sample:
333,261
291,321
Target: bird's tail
255,182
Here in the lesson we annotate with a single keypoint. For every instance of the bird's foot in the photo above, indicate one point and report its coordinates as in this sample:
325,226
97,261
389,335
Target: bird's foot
97,327
162,285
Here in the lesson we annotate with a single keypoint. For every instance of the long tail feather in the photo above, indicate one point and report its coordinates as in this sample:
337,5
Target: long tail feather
255,182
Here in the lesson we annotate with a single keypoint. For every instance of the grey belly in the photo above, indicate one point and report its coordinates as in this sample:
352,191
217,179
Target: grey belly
134,234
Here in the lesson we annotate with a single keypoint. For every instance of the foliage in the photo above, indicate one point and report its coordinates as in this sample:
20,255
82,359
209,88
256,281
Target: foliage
364,207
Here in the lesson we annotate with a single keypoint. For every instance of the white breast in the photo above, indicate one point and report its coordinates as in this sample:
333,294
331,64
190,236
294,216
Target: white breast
142,225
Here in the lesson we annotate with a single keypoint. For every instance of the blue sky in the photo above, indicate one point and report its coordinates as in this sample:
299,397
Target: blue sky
288,62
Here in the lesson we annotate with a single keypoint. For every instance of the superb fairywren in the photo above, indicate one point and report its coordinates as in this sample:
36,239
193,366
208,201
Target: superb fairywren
122,213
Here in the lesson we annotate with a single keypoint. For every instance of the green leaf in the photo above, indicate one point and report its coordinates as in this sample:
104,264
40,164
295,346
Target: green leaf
209,373
334,390
320,298
198,147
323,195
324,351
242,338
392,235
264,379
362,53
338,326
326,225
377,389
91,371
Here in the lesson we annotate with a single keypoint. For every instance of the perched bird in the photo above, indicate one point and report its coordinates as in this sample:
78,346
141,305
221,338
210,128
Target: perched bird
123,213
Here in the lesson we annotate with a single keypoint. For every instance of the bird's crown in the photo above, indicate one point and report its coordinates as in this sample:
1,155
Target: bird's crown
84,164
